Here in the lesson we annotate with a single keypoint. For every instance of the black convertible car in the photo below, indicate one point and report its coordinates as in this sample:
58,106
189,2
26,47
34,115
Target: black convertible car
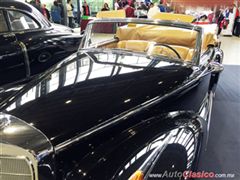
29,44
133,103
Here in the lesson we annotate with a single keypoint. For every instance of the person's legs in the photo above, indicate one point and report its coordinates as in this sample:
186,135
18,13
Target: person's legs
234,27
70,22
237,30
219,30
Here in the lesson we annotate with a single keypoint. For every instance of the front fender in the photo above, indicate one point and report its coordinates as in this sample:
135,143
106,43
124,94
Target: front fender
144,148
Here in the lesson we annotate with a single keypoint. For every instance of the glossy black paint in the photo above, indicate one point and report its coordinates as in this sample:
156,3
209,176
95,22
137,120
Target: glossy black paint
25,53
107,112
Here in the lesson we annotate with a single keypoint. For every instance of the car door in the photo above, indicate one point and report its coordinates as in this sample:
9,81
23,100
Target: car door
29,34
11,55
35,37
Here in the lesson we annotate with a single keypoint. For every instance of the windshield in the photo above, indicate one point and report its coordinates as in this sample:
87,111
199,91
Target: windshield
169,40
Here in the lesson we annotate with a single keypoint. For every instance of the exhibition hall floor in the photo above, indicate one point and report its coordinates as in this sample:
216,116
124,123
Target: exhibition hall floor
231,49
223,153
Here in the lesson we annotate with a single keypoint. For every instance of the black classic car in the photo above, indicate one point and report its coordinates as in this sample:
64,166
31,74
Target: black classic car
29,43
133,103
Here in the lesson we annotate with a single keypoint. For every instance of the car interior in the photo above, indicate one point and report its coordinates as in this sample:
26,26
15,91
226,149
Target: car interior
169,41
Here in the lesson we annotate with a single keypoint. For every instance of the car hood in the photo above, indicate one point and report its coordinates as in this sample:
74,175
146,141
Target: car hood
82,93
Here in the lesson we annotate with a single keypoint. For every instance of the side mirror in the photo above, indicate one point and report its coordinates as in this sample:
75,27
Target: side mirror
215,67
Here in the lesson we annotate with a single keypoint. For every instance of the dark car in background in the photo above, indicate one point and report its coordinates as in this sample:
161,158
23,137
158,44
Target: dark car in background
30,44
133,102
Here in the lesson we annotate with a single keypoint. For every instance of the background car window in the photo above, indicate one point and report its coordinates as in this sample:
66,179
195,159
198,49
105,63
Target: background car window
3,24
20,21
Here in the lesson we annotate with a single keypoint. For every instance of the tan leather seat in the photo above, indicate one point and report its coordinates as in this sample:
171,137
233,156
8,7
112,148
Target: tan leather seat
158,34
209,39
135,45
135,38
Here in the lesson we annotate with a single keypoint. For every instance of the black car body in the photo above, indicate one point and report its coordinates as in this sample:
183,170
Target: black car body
111,113
30,44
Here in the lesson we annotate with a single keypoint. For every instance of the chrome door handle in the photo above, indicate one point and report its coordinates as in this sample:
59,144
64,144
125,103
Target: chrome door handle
9,35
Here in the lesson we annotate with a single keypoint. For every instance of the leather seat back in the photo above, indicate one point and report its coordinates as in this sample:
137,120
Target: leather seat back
158,34
208,39
135,45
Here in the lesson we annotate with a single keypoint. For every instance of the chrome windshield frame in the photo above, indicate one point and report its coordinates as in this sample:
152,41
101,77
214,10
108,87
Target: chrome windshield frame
177,24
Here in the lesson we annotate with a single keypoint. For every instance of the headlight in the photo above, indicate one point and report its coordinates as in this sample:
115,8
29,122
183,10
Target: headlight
17,163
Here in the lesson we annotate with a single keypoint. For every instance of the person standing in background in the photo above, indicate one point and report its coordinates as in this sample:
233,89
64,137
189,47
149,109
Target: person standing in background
120,4
60,4
37,5
220,21
147,3
124,3
154,9
116,5
56,13
161,6
129,2
105,7
85,9
236,26
129,11
45,12
70,13
142,11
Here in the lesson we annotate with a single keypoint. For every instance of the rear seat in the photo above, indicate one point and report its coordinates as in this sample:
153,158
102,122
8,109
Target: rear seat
182,40
136,38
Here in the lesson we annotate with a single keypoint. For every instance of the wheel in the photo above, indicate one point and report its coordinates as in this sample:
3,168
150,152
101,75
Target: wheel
173,159
44,56
168,47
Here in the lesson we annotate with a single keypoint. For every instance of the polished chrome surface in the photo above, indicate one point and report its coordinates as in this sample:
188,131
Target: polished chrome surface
4,120
23,135
216,67
17,163
205,111
150,21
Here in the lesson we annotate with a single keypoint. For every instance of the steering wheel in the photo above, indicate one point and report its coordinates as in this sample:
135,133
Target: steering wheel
169,47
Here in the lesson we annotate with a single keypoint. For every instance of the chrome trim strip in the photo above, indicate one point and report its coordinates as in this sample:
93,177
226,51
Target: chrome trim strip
26,58
15,174
205,112
149,21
